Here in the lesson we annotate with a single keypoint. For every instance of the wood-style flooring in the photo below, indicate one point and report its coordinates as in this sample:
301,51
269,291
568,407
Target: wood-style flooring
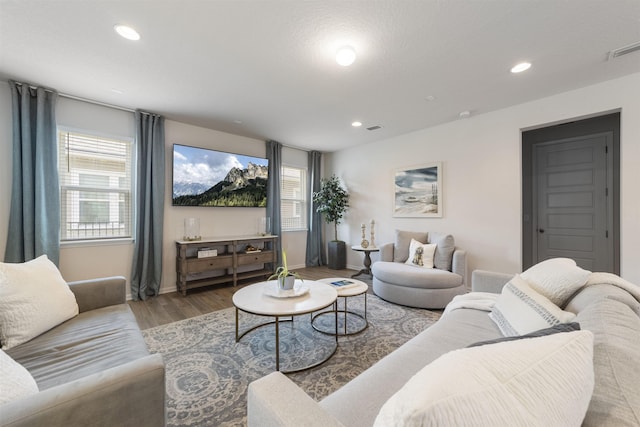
171,307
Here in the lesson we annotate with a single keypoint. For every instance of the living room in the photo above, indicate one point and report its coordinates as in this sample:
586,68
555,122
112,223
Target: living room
481,158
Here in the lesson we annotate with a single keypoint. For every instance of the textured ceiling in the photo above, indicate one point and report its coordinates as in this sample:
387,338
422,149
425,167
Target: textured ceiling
270,63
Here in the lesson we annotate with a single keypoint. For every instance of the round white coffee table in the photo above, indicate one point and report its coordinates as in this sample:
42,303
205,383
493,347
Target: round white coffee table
262,299
352,288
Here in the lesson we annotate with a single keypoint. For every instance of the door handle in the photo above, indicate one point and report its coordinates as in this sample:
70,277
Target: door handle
540,230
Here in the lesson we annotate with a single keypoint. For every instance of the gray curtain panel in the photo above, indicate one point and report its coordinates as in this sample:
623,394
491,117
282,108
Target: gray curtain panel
34,219
146,274
315,244
274,155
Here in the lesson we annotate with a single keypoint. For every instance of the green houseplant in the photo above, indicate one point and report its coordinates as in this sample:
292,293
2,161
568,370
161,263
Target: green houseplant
286,279
332,201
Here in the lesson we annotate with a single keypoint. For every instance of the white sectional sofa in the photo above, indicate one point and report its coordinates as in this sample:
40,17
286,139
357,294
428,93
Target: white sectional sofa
609,312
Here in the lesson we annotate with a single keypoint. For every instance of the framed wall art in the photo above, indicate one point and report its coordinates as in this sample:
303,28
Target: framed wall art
418,191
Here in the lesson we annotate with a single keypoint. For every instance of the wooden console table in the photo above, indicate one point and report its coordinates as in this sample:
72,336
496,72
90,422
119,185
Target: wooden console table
232,262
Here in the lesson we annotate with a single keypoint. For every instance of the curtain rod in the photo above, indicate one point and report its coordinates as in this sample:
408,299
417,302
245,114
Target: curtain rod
77,98
117,107
91,101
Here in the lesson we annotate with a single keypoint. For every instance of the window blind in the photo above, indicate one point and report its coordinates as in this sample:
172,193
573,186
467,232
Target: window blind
293,206
95,186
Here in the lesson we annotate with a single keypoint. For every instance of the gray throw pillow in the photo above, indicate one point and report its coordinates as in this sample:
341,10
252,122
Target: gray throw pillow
562,327
445,245
403,240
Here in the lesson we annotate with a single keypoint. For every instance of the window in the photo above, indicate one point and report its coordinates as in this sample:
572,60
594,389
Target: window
293,208
95,187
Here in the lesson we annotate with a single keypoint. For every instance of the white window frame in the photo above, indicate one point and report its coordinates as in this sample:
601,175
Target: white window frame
299,202
70,202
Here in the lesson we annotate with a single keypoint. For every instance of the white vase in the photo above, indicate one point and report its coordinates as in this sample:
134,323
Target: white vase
286,283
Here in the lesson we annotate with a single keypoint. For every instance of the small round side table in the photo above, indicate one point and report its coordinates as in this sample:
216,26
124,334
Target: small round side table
353,289
367,259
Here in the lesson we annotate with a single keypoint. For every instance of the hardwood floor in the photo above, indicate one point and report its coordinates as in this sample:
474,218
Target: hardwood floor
171,307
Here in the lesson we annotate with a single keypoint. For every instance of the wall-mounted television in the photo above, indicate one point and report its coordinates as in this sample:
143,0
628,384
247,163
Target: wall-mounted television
205,177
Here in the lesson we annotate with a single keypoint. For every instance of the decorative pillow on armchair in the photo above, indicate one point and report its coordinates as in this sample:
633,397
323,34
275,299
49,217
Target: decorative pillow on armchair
33,299
403,240
421,254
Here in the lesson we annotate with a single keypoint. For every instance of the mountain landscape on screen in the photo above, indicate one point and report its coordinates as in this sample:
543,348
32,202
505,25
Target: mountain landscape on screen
204,177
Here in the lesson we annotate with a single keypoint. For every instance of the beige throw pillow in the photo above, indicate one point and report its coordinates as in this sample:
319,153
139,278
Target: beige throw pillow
33,299
545,381
556,278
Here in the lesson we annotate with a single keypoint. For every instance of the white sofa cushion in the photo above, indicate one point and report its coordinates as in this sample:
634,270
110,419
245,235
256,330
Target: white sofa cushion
509,383
520,310
421,254
557,279
15,380
33,299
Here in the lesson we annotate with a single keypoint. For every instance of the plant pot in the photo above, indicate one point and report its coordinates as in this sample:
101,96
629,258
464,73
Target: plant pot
286,283
337,255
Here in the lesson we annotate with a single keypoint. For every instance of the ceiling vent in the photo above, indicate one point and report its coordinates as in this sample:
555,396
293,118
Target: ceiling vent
634,47
376,127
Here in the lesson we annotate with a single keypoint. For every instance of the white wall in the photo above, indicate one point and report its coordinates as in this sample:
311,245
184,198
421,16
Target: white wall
90,260
482,176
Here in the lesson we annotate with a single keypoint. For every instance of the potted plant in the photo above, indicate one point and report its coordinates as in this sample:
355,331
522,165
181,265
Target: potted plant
286,278
332,201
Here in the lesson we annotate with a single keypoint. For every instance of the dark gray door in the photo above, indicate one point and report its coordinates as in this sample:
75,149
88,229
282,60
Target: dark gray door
573,210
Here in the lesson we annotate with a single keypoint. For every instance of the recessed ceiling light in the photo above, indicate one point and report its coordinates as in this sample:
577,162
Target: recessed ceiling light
345,56
523,66
238,122
127,32
430,98
118,91
356,124
465,114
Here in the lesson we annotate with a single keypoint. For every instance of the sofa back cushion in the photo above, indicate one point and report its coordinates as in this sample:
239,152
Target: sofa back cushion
616,351
403,241
445,245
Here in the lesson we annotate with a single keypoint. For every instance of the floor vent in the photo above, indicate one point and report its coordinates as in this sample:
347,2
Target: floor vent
634,47
374,127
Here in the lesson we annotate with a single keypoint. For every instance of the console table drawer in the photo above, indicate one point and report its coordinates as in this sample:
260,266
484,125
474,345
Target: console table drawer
207,264
255,258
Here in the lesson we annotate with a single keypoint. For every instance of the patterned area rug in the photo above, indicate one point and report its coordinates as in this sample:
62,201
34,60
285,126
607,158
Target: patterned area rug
208,372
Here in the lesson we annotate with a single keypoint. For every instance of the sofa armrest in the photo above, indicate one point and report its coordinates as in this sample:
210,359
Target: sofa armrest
132,394
489,281
386,252
276,401
459,264
98,293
